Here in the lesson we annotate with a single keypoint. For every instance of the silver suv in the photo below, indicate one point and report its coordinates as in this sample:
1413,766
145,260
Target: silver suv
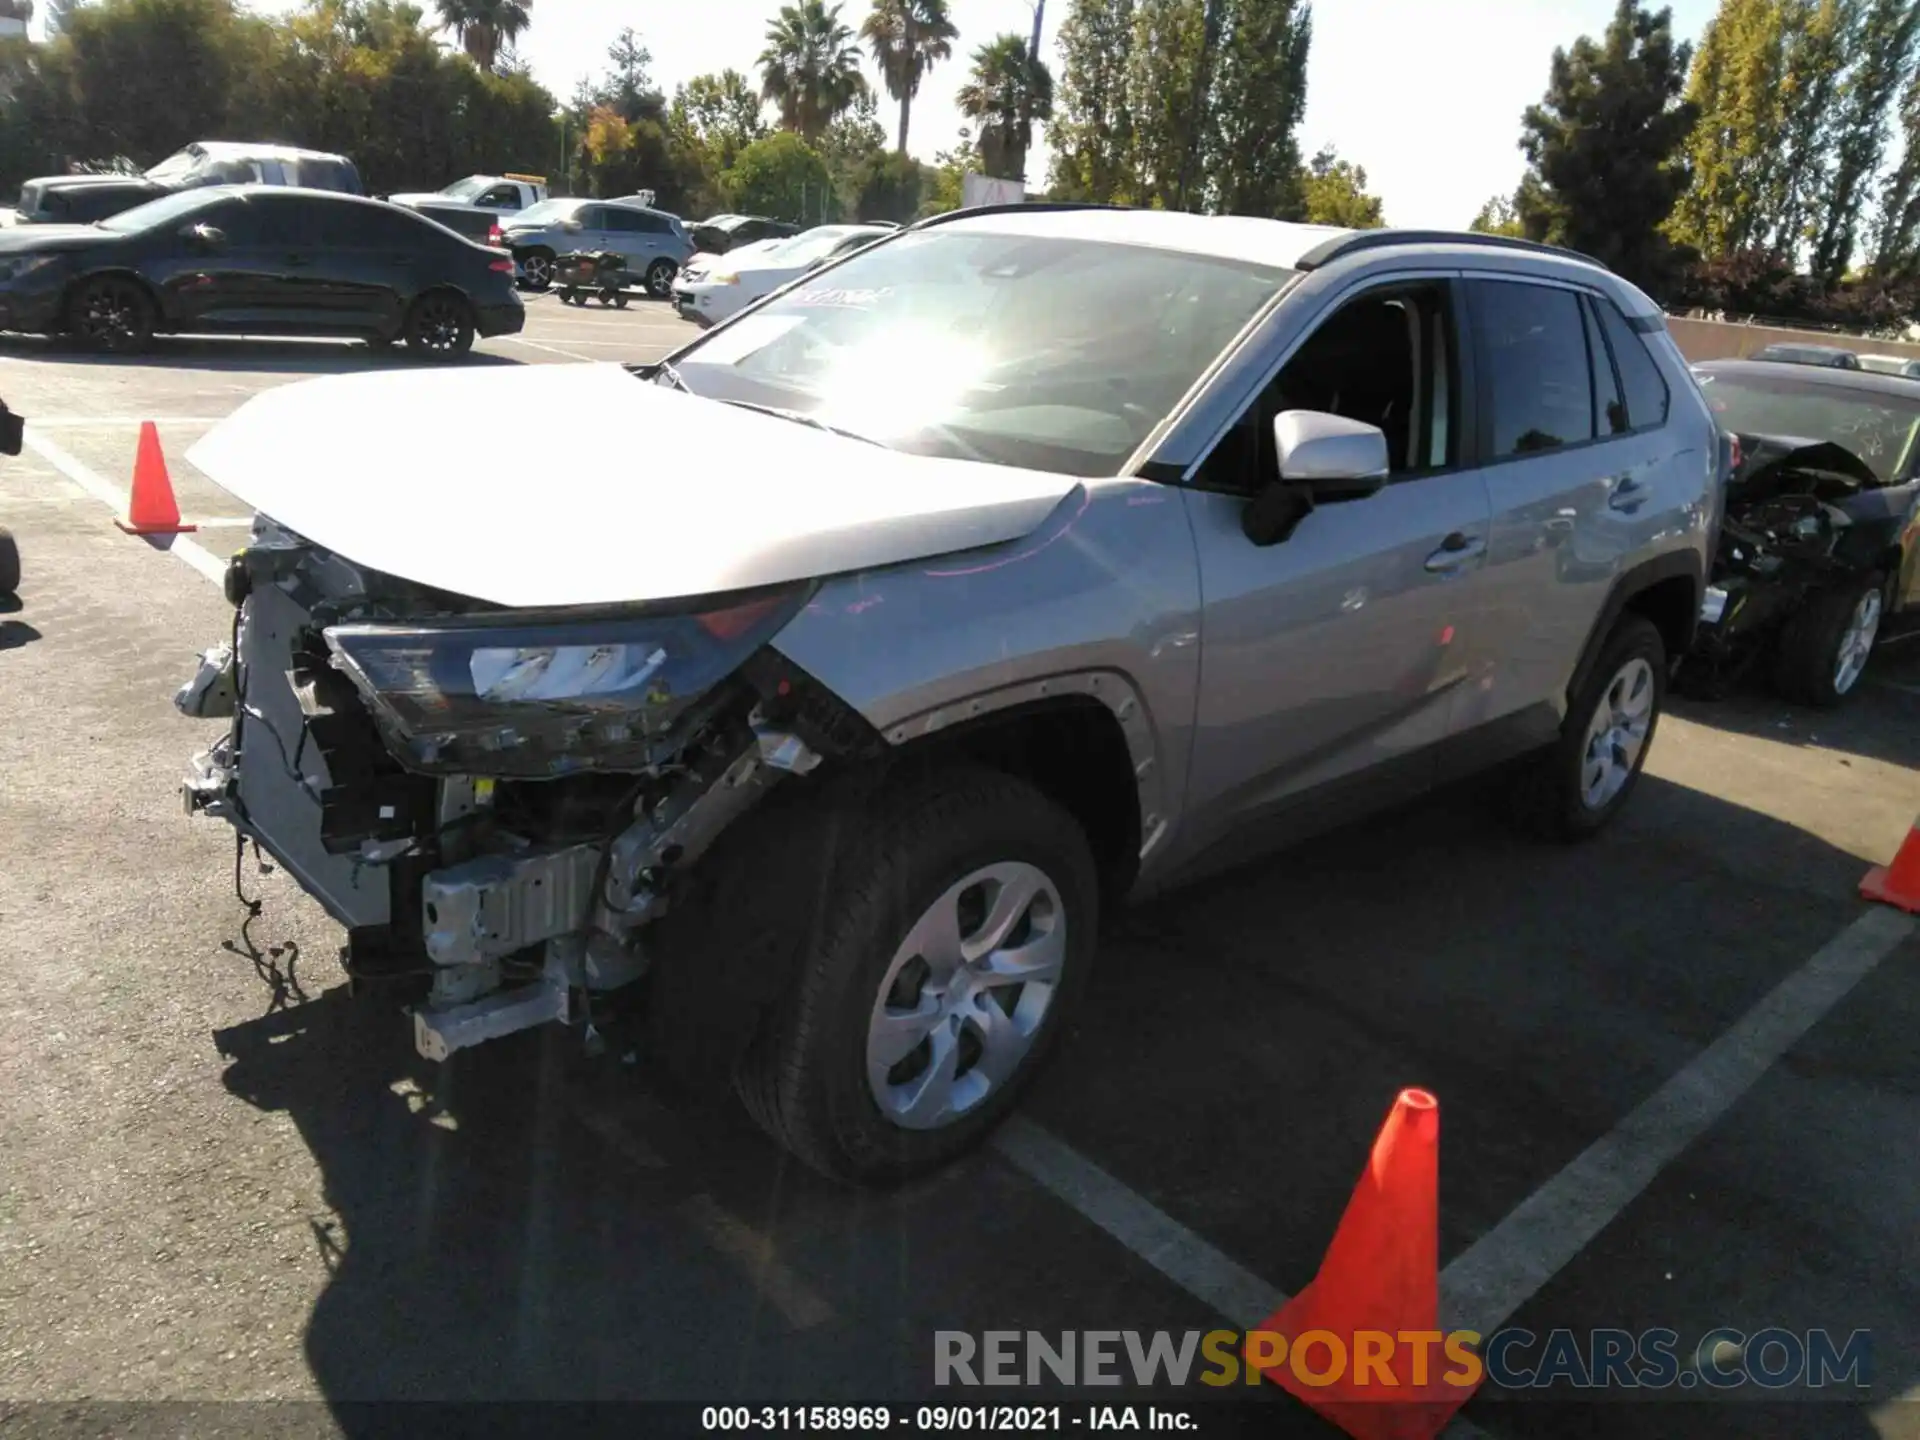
653,243
1039,558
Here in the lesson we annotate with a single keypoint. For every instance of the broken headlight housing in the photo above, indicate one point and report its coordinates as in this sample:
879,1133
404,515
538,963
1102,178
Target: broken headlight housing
549,693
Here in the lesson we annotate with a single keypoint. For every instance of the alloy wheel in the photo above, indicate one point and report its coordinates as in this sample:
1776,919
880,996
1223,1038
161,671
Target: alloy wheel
1617,733
965,995
1856,642
111,315
438,326
538,270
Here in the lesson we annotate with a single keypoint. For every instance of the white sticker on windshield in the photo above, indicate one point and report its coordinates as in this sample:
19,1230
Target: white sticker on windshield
742,338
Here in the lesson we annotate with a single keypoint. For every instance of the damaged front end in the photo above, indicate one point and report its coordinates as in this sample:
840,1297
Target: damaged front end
1799,517
494,803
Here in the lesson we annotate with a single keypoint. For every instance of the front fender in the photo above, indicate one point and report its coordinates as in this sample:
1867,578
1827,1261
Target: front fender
1102,601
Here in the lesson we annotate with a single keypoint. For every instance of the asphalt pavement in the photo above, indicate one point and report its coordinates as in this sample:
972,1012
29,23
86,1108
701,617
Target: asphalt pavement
1675,1065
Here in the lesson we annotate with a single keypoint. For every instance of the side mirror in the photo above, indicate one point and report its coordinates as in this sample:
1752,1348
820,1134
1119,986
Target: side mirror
572,227
1323,460
206,237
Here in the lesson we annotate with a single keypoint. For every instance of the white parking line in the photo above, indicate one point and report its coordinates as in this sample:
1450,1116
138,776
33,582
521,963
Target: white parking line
1497,1274
550,349
181,547
82,422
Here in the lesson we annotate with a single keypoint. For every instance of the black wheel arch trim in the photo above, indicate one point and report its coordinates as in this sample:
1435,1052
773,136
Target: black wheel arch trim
1678,564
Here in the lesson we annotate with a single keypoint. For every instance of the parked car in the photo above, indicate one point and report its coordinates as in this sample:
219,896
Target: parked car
257,259
1816,552
82,199
1007,602
720,233
736,281
482,226
1831,356
652,241
501,194
1891,365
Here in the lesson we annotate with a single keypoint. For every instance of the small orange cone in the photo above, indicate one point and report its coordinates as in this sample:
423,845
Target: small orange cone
1898,883
1379,1283
150,508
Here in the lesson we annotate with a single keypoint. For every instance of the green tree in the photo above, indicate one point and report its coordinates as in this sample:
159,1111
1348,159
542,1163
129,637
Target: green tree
908,38
720,115
1604,146
1008,93
484,27
1733,151
1257,95
1897,244
784,177
1334,192
944,187
1498,217
883,186
56,13
1092,129
1815,41
1163,59
1884,44
810,68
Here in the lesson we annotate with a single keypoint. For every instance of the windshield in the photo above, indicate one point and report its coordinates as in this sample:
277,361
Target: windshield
546,212
156,213
1004,348
468,188
176,167
1880,429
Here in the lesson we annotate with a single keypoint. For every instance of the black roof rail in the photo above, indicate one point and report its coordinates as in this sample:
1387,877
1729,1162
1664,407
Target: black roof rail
1341,246
1011,207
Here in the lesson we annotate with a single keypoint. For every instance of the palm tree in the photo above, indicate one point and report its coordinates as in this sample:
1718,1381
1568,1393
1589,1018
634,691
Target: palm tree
1010,92
810,68
908,38
483,26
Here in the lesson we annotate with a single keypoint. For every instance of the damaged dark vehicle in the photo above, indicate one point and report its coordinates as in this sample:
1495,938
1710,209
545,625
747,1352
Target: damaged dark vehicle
1816,553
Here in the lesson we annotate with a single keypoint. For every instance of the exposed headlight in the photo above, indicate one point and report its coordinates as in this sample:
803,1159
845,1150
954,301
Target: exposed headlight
1713,605
544,694
12,267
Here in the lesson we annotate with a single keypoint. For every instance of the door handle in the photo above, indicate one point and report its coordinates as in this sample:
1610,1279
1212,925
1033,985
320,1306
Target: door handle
1456,550
1628,494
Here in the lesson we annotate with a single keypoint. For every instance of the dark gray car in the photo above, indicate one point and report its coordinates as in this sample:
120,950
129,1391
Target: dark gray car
994,603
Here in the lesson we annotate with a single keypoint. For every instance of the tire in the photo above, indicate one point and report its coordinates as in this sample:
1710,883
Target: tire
660,278
9,563
951,843
1825,647
112,314
536,268
620,299
440,326
1574,788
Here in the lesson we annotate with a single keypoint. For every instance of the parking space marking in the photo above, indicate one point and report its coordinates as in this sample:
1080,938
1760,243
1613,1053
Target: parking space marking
82,422
550,349
733,1237
1164,1243
1497,1274
181,547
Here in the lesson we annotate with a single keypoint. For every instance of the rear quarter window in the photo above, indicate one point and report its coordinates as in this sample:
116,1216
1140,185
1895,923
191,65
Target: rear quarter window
1645,388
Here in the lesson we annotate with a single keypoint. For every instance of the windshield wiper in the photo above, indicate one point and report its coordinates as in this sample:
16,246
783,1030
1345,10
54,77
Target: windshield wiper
800,417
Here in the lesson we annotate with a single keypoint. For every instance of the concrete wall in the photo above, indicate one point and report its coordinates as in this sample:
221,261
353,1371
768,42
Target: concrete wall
1719,340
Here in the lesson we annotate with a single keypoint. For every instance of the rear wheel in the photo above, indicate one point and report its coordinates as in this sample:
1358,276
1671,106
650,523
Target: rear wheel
660,278
536,269
9,563
1573,789
952,944
113,313
1824,649
440,326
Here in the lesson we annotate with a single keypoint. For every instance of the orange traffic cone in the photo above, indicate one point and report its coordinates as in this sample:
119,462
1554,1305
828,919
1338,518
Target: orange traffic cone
1898,883
150,508
1380,1281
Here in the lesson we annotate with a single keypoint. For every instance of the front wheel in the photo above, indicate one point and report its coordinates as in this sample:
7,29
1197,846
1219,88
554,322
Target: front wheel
113,314
950,949
1572,790
1824,649
9,563
660,278
440,326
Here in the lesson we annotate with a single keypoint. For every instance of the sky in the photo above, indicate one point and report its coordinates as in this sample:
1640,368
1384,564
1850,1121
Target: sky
1425,95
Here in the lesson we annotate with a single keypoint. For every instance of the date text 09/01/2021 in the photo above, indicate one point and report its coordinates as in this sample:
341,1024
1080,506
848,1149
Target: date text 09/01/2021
936,1419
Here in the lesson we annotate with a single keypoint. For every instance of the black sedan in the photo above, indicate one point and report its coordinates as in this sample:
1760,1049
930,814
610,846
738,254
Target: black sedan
257,260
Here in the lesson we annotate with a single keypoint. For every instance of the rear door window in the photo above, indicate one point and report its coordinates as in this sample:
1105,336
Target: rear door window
1646,393
1538,382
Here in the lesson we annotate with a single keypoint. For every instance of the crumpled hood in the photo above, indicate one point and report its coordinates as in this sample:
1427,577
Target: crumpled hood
581,484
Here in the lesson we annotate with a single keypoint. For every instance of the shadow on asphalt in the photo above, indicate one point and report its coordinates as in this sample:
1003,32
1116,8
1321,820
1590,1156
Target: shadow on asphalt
1876,720
15,633
240,354
524,1224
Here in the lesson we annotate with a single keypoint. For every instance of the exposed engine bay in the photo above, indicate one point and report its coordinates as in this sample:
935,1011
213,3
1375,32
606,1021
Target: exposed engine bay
1799,519
495,804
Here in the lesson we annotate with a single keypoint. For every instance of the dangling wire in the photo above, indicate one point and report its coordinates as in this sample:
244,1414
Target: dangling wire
284,983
